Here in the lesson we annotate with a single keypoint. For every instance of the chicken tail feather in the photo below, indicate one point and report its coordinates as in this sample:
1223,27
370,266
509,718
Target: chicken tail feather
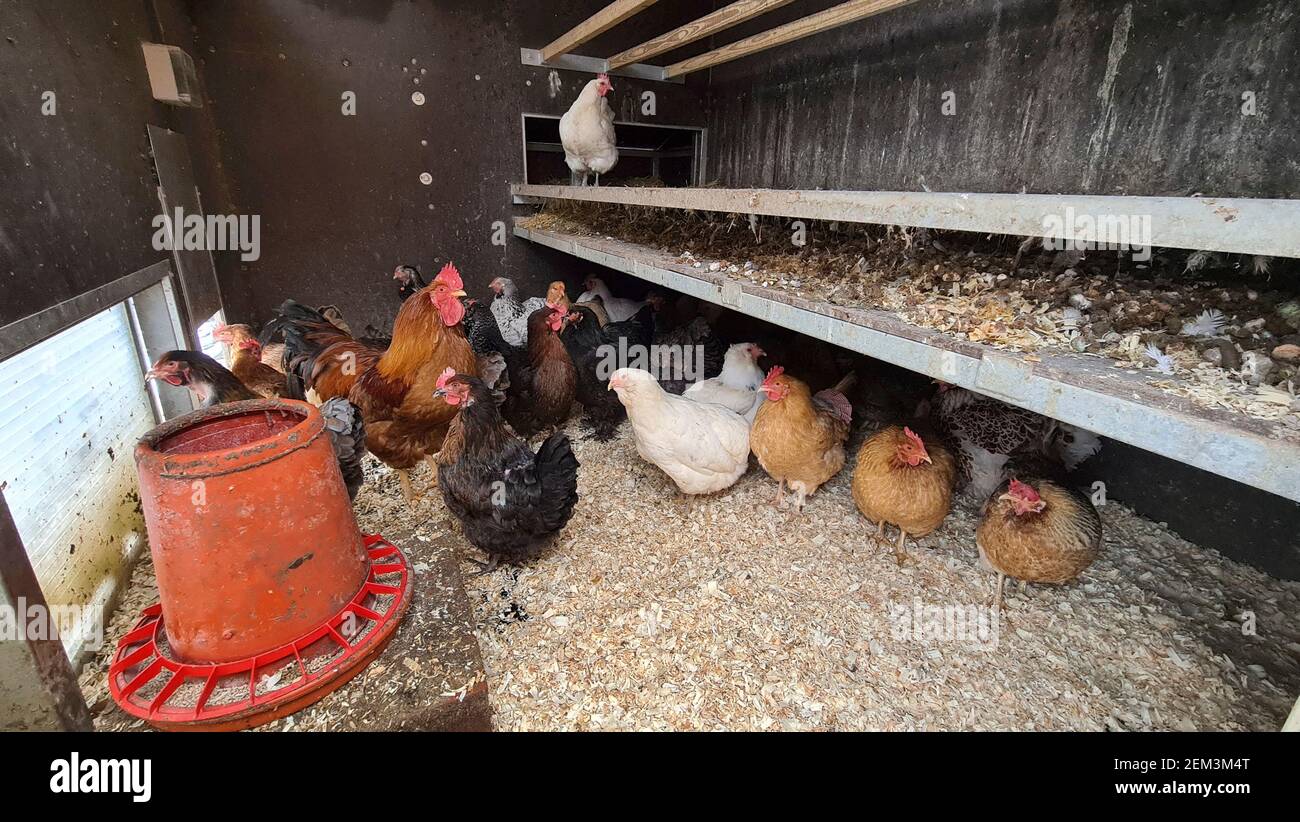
347,432
557,471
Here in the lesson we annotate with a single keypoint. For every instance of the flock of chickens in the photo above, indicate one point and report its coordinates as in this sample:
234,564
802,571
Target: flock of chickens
466,386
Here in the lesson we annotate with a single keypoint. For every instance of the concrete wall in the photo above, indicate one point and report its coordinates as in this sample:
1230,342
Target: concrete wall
1080,96
340,198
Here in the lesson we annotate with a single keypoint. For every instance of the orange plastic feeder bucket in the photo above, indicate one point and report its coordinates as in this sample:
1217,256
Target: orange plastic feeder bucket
252,533
262,572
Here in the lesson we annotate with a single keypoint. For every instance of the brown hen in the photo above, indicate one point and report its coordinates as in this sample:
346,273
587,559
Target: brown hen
799,437
1038,531
904,480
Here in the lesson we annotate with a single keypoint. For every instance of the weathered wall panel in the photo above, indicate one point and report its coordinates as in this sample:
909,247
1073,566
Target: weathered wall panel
78,192
340,197
1096,97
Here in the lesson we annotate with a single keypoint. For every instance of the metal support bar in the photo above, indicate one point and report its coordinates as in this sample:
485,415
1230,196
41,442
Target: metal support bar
623,151
593,26
1082,391
597,65
28,331
1232,225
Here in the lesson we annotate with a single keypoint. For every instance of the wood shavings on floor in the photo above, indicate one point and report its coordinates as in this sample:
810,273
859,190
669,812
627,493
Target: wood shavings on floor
655,611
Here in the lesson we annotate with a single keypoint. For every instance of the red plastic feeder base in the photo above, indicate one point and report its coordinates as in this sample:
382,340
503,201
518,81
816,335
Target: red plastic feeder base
171,695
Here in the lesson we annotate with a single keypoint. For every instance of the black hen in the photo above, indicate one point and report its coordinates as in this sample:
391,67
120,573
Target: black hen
409,281
693,344
596,353
509,501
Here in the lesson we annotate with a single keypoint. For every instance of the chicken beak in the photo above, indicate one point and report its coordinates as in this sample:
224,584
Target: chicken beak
459,294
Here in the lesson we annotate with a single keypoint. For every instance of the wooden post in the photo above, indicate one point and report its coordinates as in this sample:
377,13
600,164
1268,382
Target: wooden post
601,21
720,20
38,690
833,17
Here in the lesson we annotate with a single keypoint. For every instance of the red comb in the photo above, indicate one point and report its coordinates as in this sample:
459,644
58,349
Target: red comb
913,436
1023,491
773,374
450,277
250,345
445,376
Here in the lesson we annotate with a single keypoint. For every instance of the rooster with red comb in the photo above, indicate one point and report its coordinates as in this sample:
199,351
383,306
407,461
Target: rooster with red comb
394,387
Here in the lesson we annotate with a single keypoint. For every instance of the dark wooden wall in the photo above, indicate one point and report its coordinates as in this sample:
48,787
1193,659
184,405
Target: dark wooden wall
1098,97
340,197
78,190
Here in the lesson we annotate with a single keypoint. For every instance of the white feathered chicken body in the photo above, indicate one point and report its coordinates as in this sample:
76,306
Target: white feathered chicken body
703,447
618,308
737,386
587,131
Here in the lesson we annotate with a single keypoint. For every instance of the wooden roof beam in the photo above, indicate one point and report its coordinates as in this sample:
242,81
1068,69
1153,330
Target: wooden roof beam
833,17
720,20
593,26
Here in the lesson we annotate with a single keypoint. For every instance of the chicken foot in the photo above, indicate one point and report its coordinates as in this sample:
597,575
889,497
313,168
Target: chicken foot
801,494
487,567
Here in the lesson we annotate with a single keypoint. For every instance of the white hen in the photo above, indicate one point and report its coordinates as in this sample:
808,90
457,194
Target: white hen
701,446
618,308
587,131
737,386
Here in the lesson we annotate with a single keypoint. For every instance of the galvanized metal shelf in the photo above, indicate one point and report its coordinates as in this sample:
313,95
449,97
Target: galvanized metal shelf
1081,390
1233,225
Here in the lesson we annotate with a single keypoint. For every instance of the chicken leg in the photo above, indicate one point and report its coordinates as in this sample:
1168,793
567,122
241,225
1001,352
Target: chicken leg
997,592
404,477
780,493
900,549
432,460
